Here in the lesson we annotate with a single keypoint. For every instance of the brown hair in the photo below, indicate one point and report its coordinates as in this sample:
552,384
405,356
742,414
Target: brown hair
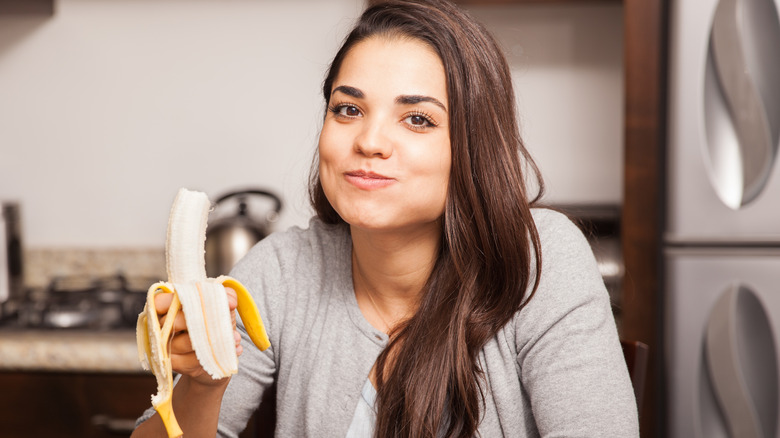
484,266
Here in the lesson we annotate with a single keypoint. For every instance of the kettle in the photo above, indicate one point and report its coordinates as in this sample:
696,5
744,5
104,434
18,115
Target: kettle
230,237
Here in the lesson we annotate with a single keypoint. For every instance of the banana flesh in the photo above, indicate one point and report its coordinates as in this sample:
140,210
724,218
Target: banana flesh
203,302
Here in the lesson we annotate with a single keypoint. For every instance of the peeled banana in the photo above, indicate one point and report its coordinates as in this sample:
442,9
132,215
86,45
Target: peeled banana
202,300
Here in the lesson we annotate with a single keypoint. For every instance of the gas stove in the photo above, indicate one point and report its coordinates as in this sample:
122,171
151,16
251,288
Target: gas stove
79,303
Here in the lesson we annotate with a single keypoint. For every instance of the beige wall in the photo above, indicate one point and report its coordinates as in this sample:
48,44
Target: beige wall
110,106
567,65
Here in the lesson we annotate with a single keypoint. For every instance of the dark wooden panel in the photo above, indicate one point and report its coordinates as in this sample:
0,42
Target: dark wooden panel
75,405
72,405
645,29
27,7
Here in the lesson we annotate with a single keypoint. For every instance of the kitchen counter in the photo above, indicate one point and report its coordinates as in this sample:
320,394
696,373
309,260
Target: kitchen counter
69,351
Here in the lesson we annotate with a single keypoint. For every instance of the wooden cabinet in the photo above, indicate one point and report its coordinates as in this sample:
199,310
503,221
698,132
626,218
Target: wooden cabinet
27,7
642,217
75,405
71,404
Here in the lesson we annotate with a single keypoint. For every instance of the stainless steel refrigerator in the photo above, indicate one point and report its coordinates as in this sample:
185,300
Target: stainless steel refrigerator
722,240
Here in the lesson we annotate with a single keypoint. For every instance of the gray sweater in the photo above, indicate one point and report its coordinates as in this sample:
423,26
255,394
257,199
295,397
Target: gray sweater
555,370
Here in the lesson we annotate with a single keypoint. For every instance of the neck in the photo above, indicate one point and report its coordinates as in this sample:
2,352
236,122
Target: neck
389,271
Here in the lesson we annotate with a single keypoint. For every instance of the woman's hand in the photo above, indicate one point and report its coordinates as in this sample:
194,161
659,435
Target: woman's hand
183,358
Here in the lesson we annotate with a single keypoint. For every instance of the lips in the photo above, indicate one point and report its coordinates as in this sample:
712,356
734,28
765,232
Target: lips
365,174
368,180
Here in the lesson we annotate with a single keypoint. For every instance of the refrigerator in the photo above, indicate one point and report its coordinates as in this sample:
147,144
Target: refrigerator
722,226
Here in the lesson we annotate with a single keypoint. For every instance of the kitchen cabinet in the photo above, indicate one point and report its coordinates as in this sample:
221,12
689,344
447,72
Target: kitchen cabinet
27,7
72,404
88,405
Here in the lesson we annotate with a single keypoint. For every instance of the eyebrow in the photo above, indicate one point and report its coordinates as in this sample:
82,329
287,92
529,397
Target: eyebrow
402,100
349,91
413,99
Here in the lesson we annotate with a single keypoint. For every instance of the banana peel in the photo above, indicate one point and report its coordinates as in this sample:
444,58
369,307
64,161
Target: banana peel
203,302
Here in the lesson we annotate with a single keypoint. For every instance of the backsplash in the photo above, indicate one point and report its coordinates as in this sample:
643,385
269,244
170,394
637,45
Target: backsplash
43,264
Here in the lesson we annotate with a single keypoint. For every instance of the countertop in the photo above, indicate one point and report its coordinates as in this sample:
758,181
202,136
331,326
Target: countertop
72,350
69,351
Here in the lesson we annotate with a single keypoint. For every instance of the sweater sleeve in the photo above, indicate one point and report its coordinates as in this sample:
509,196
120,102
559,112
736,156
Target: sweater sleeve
568,353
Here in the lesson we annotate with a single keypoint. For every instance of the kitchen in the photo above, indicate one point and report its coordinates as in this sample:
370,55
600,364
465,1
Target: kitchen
108,108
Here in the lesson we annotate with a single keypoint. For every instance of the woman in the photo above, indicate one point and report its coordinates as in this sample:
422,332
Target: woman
426,298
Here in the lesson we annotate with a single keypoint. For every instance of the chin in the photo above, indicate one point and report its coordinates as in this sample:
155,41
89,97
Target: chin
404,226
373,224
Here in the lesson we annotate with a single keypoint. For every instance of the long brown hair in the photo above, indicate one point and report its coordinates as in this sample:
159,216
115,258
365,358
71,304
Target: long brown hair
484,266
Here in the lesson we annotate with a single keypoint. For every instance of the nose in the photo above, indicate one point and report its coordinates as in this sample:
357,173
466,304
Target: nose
373,141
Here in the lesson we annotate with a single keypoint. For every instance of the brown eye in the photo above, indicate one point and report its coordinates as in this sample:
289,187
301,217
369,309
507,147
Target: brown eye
345,110
417,120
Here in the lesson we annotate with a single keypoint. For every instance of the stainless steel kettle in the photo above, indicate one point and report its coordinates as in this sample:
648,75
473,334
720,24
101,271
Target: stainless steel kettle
230,237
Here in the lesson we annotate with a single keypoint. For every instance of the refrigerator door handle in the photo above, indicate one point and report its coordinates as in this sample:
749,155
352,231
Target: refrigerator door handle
741,116
737,318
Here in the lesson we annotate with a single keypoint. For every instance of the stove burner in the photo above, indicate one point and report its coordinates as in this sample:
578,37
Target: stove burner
102,303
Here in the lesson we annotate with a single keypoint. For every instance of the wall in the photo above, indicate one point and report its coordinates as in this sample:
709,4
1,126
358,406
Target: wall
567,66
110,106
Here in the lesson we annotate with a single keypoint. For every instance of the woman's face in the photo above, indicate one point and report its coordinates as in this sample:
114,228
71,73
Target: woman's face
384,148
